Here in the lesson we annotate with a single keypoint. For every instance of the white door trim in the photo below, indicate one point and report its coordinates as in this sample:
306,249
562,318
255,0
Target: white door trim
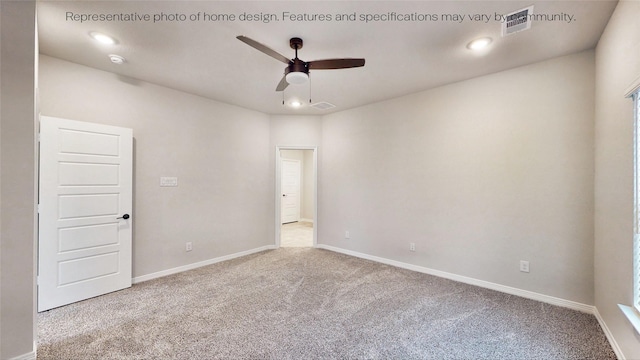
278,195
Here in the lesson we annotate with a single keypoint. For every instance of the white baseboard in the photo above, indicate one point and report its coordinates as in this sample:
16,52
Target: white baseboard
28,356
609,335
180,269
590,309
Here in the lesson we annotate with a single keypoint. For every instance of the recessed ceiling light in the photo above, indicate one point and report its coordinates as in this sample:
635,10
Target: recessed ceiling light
105,39
117,59
479,44
295,104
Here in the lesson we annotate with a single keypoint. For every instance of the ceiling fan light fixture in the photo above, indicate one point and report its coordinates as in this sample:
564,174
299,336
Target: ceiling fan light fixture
297,78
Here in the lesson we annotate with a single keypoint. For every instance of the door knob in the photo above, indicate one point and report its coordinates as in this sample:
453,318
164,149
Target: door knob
284,194
125,216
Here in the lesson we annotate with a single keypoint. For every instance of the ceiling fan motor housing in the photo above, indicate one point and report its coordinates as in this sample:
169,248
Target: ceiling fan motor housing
296,65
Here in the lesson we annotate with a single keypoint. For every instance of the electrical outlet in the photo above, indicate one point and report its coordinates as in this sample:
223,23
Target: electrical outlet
412,246
168,181
524,266
347,235
189,246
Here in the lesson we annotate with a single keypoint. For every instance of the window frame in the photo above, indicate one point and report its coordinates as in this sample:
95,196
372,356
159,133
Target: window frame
636,200
632,313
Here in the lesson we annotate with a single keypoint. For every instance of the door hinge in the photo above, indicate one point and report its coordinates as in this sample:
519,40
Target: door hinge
39,208
38,137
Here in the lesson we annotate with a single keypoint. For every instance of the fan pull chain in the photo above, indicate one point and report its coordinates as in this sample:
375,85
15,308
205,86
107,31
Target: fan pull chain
309,75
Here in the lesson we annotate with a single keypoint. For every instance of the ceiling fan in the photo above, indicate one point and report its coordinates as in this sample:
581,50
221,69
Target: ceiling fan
297,71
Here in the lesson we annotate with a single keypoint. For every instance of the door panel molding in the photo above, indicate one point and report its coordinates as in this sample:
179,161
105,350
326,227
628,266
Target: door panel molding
86,183
291,190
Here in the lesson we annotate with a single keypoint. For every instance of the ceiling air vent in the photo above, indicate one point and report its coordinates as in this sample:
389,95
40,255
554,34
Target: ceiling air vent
517,21
323,105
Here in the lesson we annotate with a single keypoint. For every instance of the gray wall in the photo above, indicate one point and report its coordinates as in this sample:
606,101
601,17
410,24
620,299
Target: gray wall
479,174
17,178
617,66
289,130
293,130
220,154
308,206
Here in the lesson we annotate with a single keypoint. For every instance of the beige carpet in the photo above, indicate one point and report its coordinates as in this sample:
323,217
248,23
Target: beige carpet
296,234
306,303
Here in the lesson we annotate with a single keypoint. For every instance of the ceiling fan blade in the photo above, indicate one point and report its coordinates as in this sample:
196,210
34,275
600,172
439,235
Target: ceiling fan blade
256,45
335,64
283,84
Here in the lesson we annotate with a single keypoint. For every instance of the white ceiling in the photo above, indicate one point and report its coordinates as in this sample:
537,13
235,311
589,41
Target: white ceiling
206,59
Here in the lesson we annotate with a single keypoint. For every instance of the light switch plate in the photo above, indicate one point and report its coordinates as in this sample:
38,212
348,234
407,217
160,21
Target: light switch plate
168,181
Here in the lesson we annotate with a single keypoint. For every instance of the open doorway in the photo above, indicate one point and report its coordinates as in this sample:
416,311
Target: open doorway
296,194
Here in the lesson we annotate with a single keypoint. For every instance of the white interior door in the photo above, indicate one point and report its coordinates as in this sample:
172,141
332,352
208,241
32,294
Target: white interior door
85,202
290,183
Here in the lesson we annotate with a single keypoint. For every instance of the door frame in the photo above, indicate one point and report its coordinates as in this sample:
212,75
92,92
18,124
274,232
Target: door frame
278,195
